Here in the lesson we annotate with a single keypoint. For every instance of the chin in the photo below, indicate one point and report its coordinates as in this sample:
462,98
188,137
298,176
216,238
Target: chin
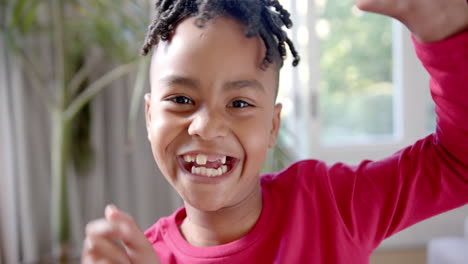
205,205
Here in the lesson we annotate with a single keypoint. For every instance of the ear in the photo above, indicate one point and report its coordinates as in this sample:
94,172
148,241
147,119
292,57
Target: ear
275,125
148,114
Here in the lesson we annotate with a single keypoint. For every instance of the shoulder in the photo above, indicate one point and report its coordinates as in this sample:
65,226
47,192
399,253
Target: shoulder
310,175
158,230
154,232
293,170
308,170
295,175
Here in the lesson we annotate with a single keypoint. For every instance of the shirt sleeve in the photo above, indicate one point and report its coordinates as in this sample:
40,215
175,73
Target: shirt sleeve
378,199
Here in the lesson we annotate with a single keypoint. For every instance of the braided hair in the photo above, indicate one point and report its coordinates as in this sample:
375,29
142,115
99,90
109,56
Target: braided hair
261,17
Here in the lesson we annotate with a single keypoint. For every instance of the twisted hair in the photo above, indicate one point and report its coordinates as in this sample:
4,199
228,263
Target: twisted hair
264,18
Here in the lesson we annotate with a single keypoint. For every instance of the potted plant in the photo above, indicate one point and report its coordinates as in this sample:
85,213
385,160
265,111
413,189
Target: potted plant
81,35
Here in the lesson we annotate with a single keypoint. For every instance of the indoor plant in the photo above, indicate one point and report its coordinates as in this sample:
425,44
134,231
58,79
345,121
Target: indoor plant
84,37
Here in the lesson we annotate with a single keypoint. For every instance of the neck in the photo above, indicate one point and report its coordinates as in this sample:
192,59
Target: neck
205,229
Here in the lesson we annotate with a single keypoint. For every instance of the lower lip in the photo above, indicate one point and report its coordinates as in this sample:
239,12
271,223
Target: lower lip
205,179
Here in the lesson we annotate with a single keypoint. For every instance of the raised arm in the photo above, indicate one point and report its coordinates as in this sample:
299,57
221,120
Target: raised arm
378,199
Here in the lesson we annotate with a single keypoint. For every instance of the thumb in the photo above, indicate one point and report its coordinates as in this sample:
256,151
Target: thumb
130,235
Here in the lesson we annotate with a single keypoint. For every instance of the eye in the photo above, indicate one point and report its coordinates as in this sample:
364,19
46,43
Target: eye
239,104
180,99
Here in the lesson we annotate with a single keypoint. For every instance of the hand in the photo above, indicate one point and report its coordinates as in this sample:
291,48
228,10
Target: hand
428,20
116,239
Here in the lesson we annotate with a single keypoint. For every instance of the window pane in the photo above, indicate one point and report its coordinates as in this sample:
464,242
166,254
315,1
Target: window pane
431,117
356,93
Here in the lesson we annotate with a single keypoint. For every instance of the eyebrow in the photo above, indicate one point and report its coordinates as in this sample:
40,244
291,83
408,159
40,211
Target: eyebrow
180,80
195,84
236,85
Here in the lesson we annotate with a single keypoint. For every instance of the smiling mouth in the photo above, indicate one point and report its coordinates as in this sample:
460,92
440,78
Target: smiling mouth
207,165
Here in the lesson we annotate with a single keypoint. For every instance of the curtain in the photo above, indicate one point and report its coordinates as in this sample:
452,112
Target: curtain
124,173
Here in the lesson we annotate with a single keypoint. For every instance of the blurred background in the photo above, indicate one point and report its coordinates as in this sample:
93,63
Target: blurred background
72,132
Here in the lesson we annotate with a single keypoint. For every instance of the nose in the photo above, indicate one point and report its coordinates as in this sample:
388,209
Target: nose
208,124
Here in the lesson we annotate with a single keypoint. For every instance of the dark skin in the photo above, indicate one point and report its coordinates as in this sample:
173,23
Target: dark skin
229,110
447,18
428,20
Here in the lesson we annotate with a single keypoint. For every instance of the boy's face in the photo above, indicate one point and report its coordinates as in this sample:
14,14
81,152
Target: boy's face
211,114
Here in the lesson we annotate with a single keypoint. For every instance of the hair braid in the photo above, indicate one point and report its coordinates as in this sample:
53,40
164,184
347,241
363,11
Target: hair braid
264,18
285,16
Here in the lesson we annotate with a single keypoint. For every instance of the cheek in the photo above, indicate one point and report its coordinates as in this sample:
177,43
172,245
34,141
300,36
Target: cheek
255,142
163,130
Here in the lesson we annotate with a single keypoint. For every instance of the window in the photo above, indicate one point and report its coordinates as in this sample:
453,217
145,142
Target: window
359,91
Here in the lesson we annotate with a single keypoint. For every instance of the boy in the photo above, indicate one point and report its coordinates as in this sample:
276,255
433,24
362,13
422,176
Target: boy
211,117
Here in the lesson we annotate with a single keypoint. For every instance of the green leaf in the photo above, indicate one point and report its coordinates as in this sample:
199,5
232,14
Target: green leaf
30,15
24,15
17,12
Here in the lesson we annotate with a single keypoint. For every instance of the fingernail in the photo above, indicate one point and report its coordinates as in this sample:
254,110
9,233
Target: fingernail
110,209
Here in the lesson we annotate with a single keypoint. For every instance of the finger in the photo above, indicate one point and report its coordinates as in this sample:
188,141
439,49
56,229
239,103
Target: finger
136,244
102,228
100,249
128,231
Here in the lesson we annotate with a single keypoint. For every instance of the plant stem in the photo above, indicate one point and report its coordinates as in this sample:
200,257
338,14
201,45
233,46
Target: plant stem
94,88
80,76
61,136
59,46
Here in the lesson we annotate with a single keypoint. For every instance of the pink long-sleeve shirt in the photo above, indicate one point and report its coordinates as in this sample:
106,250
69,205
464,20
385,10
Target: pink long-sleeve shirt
314,213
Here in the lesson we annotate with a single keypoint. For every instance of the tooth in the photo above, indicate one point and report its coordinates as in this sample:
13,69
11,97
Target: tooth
223,160
220,171
210,172
224,168
202,170
186,158
197,170
201,159
193,169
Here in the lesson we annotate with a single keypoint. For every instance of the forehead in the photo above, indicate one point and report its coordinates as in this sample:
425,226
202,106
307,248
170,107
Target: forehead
218,52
